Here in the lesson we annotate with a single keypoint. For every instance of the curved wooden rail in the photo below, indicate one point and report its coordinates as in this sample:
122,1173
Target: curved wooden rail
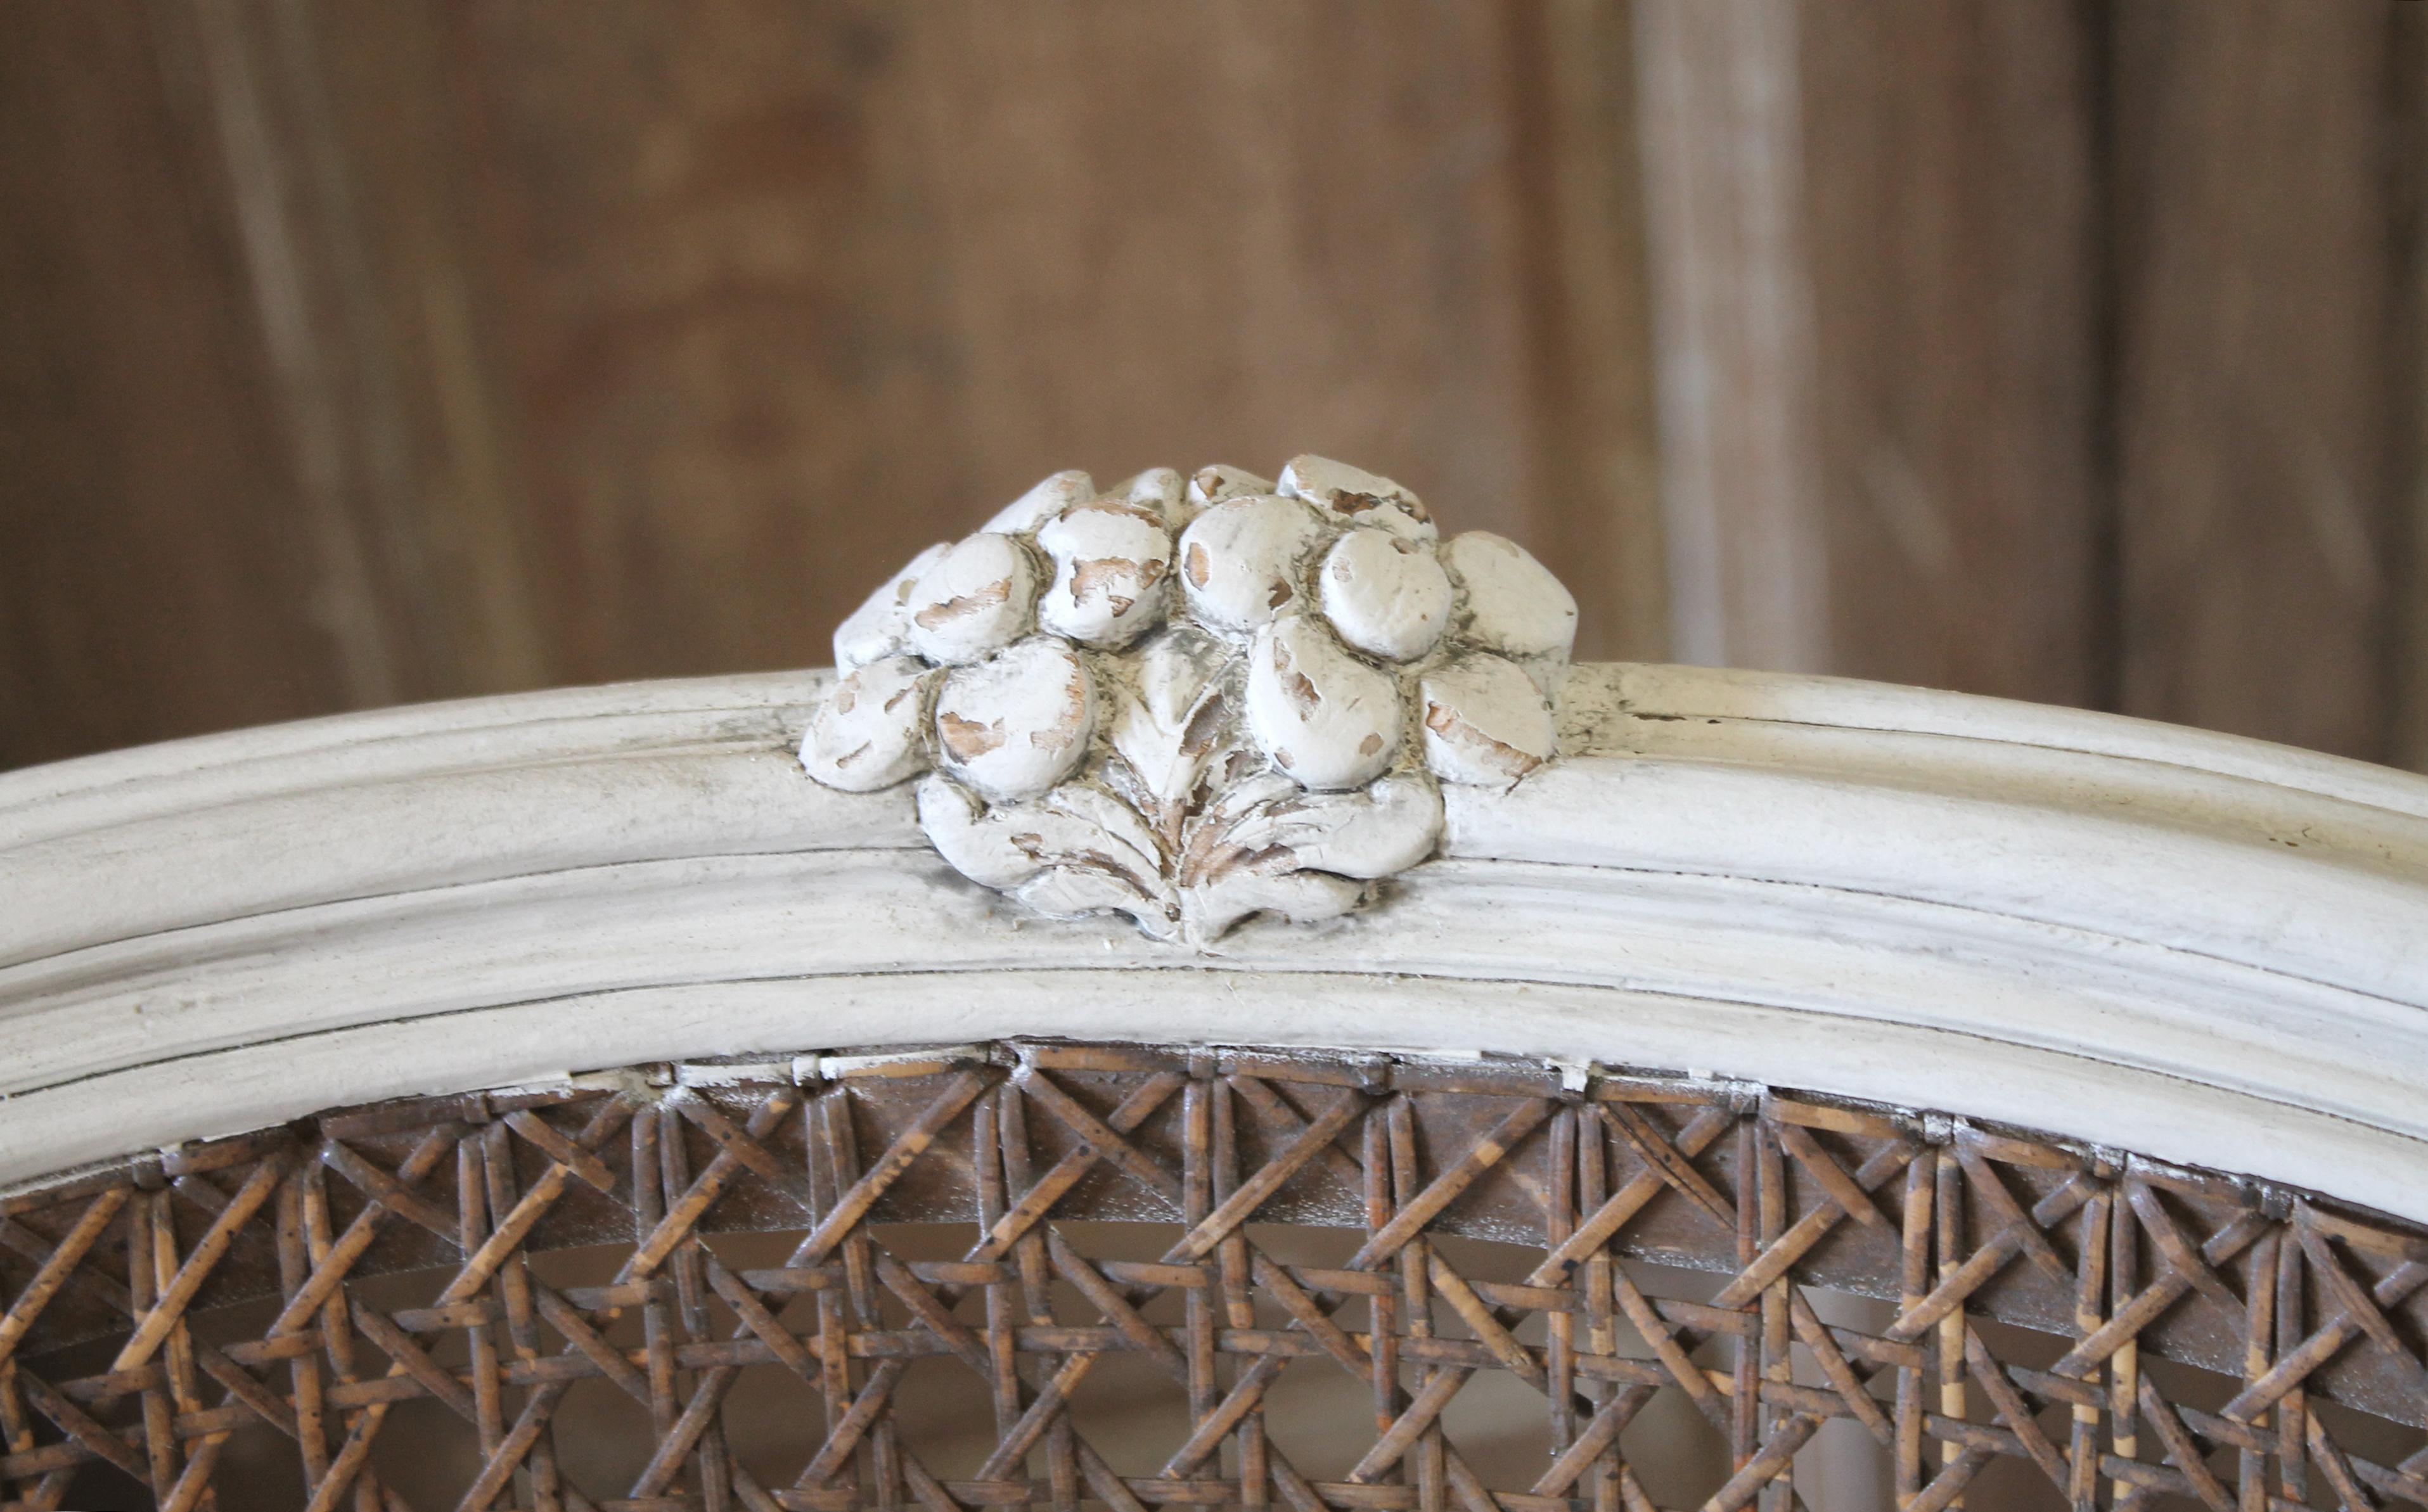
2196,947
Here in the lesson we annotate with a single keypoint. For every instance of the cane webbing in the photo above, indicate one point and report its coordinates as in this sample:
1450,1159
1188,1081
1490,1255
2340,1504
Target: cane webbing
346,1312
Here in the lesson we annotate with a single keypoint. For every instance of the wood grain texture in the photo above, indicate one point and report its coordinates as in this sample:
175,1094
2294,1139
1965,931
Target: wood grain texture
360,353
1951,175
2409,53
434,428
1875,250
1241,232
580,343
1734,315
2256,402
724,340
789,292
156,575
1579,154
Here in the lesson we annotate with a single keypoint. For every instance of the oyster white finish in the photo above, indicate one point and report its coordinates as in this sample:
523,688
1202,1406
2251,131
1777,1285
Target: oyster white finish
2202,948
1252,726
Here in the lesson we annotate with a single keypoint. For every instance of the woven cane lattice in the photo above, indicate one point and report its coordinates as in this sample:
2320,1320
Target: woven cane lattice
312,1316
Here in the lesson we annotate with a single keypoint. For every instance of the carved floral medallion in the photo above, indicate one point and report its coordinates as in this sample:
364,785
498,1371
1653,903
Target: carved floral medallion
1193,700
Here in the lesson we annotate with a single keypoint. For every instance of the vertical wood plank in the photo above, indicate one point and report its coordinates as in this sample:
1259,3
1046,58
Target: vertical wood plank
717,308
1733,331
331,130
154,575
1235,233
1874,268
260,99
1263,228
1578,159
2409,55
376,96
2256,402
1951,183
533,344
790,291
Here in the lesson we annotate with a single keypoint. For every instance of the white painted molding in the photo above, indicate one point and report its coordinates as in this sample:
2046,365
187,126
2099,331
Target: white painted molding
2204,949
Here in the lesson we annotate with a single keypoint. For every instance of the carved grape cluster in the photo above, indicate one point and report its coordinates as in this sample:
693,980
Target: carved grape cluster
1193,700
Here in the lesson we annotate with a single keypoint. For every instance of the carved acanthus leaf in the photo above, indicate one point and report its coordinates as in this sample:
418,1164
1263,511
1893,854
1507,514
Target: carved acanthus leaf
1172,725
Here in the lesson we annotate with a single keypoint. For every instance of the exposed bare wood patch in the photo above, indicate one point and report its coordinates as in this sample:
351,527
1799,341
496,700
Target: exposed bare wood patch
937,616
966,738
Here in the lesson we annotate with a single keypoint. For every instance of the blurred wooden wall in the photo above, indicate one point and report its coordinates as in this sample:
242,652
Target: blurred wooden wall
357,351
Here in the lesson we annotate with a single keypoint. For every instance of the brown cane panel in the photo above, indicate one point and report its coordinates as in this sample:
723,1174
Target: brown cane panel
245,1289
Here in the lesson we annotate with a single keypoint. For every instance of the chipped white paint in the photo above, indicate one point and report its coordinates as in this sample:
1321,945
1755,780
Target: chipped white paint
1051,495
872,731
1017,723
1485,720
1353,494
1326,718
881,626
1244,560
1163,490
977,598
1112,568
1212,485
1246,746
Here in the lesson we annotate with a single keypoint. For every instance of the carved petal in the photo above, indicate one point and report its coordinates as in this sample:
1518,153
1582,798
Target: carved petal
1048,499
1066,892
1125,844
1007,845
1387,828
1514,606
1112,570
1173,717
1210,850
880,627
1326,718
1211,486
871,730
1300,897
975,598
1161,489
1486,721
978,844
1017,723
1240,560
1358,495
1385,594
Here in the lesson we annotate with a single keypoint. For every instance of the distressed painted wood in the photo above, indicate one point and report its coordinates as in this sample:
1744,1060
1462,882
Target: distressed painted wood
1261,728
2200,947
